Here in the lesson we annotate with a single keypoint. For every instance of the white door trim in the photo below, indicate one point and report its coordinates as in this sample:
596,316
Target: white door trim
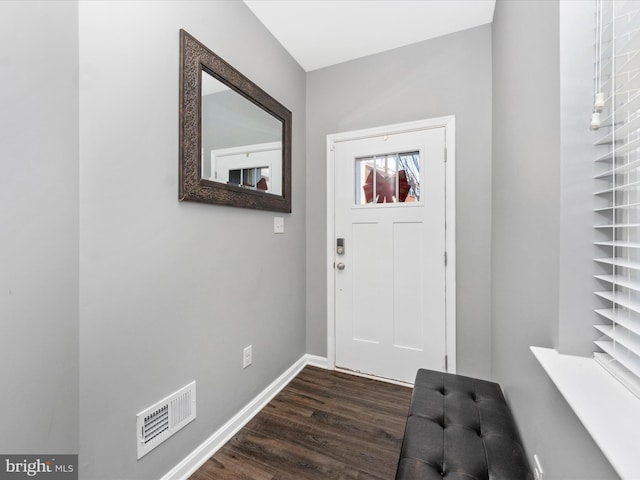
448,123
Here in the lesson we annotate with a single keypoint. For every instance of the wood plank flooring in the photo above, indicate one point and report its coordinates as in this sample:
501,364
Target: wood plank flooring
323,425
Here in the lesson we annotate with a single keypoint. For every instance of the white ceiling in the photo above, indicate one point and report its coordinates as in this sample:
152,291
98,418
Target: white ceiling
319,33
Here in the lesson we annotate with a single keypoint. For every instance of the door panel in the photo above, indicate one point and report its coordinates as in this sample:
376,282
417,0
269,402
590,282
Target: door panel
390,296
408,307
365,245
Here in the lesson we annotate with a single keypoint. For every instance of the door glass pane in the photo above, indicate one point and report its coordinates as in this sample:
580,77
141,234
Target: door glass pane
255,177
392,178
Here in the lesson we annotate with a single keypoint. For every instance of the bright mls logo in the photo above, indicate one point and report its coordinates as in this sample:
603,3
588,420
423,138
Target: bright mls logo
31,468
46,467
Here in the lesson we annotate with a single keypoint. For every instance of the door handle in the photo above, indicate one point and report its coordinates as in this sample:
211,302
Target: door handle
340,266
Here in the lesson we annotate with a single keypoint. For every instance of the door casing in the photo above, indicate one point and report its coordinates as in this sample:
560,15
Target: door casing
448,122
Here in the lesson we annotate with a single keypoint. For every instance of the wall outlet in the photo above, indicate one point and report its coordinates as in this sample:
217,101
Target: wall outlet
538,473
246,357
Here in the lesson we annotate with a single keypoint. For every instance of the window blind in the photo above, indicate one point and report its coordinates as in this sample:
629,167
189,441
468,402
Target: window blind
616,117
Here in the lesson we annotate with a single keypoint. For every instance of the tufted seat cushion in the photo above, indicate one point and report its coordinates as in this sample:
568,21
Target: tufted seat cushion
460,428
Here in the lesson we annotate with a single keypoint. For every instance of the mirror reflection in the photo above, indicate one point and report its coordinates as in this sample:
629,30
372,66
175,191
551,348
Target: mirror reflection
241,142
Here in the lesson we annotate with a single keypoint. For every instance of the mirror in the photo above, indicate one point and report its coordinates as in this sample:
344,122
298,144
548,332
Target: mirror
235,139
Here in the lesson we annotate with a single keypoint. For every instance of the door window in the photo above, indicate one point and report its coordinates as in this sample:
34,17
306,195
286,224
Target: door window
392,178
256,177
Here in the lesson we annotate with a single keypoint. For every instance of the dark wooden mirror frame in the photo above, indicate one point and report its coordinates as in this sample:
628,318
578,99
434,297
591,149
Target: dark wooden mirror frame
194,58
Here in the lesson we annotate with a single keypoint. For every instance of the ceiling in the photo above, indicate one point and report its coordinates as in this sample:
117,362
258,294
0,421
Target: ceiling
319,33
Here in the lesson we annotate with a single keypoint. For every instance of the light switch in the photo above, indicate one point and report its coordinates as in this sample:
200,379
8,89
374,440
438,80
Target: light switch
278,224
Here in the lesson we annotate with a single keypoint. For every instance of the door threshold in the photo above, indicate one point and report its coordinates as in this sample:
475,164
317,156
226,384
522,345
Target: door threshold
373,377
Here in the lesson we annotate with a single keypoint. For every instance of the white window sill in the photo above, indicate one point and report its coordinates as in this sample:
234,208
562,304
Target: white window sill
609,412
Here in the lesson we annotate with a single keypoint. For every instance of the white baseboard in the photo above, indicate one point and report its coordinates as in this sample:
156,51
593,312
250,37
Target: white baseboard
200,455
315,361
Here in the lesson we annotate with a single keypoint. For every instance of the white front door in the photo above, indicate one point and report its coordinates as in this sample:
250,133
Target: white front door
390,310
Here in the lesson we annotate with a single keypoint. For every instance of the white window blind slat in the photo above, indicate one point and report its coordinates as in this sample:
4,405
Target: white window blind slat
620,300
629,83
622,110
620,317
621,355
625,337
621,132
628,65
625,8
619,244
608,313
617,194
620,262
618,188
617,207
618,225
620,150
621,280
618,371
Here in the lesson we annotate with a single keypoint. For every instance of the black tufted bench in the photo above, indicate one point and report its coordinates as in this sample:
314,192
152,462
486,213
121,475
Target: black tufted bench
460,428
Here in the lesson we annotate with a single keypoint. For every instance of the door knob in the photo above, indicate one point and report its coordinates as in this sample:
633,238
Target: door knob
340,266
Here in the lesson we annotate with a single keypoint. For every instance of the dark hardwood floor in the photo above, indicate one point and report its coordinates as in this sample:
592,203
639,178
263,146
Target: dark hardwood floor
323,425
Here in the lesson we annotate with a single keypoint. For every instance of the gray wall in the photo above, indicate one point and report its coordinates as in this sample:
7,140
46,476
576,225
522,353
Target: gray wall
172,292
38,228
449,75
527,258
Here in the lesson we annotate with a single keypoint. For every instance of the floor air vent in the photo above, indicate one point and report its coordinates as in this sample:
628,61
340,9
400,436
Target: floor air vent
158,422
